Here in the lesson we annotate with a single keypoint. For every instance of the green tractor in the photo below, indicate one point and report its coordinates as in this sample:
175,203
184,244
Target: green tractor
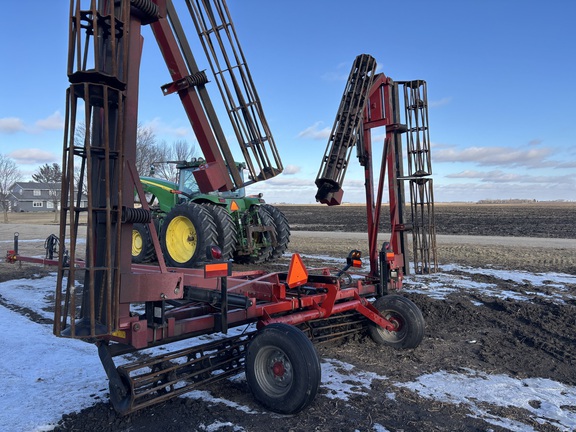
187,222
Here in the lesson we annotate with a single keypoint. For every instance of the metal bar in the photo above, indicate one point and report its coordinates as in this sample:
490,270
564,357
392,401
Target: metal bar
227,62
346,131
194,110
203,94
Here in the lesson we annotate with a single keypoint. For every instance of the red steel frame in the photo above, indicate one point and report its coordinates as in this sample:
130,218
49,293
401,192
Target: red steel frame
214,175
271,297
270,300
264,298
382,110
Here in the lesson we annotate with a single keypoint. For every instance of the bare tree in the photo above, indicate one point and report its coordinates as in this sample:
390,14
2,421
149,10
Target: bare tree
9,174
147,151
150,153
51,176
178,151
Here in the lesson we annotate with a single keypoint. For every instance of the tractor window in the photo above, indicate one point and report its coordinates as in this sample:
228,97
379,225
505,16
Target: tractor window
188,182
238,193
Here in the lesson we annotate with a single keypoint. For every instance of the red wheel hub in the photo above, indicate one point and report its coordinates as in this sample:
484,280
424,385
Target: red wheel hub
396,322
278,369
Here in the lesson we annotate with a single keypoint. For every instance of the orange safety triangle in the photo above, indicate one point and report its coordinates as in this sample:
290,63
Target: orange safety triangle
297,273
234,206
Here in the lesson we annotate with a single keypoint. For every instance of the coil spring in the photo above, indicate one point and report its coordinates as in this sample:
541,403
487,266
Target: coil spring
146,7
197,79
136,215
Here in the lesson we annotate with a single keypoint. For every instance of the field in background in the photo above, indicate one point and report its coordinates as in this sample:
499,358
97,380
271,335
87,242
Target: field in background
547,220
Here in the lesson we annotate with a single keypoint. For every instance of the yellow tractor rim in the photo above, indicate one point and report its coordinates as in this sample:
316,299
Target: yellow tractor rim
137,243
181,239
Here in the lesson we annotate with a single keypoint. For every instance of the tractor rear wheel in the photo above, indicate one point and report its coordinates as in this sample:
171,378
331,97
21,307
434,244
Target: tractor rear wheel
142,245
187,231
407,318
282,232
283,369
260,242
225,229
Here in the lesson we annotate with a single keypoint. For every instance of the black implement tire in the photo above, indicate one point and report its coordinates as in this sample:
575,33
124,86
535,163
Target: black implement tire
408,318
225,229
187,231
283,369
142,245
282,232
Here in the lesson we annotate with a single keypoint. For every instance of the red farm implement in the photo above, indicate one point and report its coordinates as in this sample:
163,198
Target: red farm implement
127,308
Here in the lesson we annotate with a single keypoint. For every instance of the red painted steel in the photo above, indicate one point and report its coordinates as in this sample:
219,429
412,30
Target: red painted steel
214,175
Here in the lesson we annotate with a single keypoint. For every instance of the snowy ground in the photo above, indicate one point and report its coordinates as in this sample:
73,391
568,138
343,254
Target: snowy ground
45,377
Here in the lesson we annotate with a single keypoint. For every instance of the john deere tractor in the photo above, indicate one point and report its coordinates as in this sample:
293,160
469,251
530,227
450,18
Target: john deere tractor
187,221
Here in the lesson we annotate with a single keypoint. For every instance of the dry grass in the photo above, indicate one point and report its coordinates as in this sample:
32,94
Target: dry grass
36,218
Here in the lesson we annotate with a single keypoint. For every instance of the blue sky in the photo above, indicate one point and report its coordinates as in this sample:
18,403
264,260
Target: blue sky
500,86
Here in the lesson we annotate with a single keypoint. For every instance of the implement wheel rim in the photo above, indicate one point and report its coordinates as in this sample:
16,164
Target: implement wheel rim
181,239
274,371
137,243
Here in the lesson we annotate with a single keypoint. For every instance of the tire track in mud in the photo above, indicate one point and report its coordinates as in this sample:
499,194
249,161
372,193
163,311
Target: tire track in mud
26,312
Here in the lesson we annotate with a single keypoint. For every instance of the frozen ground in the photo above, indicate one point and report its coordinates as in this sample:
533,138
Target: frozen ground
45,377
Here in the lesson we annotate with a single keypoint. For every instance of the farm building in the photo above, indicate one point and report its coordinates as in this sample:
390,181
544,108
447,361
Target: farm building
36,197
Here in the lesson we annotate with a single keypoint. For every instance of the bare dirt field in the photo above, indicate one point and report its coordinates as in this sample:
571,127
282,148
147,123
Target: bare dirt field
488,323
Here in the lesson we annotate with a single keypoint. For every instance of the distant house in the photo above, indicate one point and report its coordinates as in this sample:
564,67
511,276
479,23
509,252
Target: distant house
36,197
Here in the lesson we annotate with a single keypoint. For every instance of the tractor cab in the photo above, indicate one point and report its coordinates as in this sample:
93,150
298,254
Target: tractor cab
187,182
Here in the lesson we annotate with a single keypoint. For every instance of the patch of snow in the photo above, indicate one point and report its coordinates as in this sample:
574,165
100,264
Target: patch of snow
219,425
440,285
207,397
343,379
547,401
379,428
44,376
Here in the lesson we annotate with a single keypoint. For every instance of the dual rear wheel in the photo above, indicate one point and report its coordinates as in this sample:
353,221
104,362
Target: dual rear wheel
186,233
189,228
142,244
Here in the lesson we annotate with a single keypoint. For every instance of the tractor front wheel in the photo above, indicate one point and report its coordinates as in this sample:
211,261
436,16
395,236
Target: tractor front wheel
185,234
283,369
407,319
142,245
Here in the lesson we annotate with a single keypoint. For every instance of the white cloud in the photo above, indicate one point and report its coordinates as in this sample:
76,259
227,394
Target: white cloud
315,133
439,102
498,176
300,190
291,169
11,125
340,74
52,122
160,128
467,174
569,164
33,156
475,191
496,156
